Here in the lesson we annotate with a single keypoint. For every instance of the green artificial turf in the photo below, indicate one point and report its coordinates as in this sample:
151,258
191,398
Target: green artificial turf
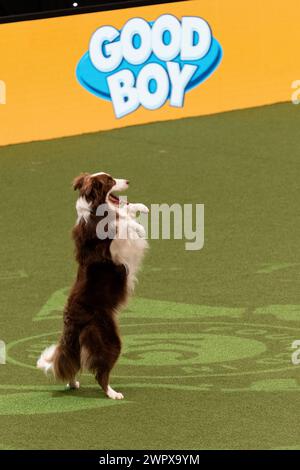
207,338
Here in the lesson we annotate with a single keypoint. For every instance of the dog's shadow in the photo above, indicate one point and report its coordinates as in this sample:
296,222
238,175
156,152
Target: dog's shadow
89,392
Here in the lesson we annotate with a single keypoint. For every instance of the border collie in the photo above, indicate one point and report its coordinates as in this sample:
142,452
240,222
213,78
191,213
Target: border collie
106,276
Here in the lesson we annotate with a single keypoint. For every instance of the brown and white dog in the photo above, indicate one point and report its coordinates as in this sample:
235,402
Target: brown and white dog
105,278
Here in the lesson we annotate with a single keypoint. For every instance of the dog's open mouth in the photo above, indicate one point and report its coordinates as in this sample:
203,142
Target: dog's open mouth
116,200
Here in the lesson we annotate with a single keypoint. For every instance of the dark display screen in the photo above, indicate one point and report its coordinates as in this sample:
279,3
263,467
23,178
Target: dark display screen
14,10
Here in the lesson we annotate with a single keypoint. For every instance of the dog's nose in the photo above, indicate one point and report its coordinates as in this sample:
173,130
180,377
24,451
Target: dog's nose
127,182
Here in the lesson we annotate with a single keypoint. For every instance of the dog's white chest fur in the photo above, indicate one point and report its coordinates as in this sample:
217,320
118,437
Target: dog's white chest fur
130,245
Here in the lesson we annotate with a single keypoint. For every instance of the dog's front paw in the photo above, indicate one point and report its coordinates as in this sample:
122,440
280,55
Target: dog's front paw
142,208
111,393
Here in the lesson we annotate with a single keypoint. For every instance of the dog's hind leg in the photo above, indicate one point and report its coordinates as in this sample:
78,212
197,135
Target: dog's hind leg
73,384
63,359
102,377
66,364
100,350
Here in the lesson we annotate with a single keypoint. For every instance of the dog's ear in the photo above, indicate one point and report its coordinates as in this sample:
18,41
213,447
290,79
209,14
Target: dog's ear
79,180
92,185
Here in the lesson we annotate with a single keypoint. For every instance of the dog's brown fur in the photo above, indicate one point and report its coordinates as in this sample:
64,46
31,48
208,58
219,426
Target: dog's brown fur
90,335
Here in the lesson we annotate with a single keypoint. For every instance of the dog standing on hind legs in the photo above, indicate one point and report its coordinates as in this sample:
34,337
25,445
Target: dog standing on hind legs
106,276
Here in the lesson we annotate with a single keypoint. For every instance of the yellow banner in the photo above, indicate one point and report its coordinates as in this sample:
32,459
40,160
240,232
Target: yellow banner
42,96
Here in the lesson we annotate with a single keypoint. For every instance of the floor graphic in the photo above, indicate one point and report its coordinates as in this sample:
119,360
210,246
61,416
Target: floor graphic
166,345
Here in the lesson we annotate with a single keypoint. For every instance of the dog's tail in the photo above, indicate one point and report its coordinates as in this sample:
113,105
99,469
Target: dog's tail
56,361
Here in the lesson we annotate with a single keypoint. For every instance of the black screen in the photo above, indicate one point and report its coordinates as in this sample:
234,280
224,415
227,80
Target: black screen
15,7
16,10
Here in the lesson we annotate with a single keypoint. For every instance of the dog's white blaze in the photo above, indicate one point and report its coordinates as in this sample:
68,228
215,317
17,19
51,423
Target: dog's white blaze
100,173
83,209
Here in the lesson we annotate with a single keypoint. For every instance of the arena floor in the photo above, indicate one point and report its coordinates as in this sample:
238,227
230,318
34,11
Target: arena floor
206,361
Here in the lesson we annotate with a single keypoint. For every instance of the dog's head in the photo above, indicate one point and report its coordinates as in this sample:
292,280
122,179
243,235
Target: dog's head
99,188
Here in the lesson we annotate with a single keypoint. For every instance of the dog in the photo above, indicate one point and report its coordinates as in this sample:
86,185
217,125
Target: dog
107,267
